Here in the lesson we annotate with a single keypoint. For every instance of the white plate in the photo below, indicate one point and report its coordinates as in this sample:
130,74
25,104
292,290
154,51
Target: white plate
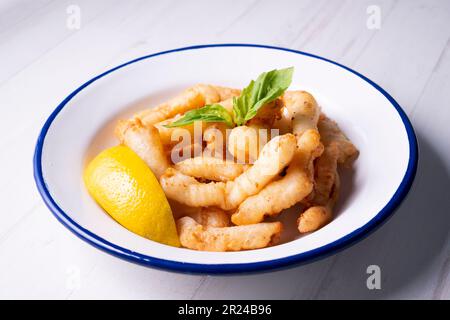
81,126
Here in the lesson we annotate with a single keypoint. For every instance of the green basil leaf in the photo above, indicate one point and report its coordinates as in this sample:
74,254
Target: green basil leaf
266,88
241,104
209,113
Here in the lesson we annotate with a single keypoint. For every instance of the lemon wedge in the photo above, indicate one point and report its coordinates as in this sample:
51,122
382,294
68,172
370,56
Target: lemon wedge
127,189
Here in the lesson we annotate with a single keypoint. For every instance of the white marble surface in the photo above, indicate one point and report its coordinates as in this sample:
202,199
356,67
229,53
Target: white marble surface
42,61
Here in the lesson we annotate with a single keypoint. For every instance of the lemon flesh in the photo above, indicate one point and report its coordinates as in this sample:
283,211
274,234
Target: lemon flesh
128,191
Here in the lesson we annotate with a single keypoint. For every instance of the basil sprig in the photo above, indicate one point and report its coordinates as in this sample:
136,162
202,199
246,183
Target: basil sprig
266,88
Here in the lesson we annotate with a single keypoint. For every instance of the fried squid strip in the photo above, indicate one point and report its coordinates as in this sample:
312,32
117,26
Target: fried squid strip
198,237
214,136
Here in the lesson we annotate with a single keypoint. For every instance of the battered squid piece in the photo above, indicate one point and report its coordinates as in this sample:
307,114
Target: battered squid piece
206,238
325,174
182,152
145,142
338,150
246,142
316,217
300,105
185,189
210,168
207,216
298,182
332,135
192,98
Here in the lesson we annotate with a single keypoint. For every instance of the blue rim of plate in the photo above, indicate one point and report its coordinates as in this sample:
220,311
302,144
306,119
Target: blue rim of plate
234,268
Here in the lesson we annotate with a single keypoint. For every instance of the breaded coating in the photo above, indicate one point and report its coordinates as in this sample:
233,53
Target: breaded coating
210,168
198,237
145,142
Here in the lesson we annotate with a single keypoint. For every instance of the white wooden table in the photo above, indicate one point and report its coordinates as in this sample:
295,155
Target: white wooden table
43,57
